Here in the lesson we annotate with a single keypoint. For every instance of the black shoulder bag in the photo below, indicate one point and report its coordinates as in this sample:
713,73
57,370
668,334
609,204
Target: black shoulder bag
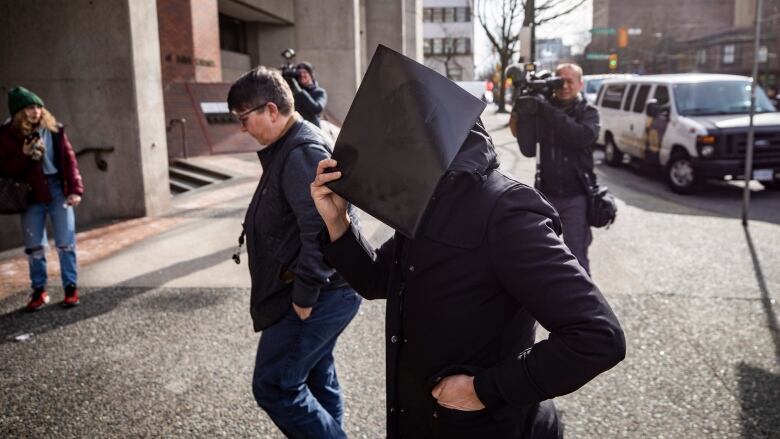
602,206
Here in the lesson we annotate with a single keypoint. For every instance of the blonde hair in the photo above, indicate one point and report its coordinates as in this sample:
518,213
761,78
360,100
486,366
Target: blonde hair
569,65
47,121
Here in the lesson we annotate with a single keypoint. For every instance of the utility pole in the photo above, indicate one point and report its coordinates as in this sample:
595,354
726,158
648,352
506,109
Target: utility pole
751,126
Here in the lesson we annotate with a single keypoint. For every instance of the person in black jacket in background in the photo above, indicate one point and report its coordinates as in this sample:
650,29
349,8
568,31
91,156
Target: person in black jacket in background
568,127
463,299
310,98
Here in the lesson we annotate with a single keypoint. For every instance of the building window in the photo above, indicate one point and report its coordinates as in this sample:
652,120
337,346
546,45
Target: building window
428,46
763,54
437,46
437,15
428,15
232,34
449,15
446,15
456,73
728,54
463,14
701,56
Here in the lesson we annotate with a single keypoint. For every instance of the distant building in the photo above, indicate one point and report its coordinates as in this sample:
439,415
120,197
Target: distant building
642,34
730,50
550,52
448,35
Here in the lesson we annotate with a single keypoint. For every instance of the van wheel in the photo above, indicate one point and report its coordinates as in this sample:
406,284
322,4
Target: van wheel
681,176
612,155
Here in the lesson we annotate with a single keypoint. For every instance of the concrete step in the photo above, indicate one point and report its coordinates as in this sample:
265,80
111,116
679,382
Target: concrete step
195,178
214,174
185,176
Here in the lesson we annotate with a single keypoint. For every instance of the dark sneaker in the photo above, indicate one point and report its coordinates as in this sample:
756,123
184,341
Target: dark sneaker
71,296
39,298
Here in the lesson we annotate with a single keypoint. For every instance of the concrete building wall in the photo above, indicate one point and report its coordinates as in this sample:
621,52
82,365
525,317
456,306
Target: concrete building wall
97,67
234,65
384,25
413,30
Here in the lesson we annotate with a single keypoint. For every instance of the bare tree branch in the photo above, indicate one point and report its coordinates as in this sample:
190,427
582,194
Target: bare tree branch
541,21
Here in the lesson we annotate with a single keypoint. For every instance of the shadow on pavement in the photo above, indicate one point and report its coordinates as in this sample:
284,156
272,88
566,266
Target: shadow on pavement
760,389
645,189
104,300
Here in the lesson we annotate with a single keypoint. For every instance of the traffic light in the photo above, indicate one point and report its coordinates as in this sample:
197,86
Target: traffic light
613,61
622,37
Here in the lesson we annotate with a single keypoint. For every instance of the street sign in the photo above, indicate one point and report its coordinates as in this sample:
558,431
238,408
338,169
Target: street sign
597,56
603,31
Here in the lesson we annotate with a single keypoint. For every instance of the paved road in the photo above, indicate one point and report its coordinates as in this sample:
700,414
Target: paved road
162,345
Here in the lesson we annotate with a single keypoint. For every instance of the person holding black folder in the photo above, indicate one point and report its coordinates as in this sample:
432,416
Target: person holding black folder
476,260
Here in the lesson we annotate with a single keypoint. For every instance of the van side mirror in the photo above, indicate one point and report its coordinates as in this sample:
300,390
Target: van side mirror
654,108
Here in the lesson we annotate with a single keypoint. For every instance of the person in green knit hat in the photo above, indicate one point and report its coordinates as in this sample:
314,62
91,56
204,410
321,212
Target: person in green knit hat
34,149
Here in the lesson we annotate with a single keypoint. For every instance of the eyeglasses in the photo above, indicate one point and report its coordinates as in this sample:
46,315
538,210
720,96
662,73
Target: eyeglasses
242,118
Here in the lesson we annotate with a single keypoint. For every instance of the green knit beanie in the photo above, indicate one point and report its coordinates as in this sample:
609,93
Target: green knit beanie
20,97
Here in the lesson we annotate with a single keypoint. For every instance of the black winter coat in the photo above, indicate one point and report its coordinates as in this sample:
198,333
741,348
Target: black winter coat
567,138
465,295
310,103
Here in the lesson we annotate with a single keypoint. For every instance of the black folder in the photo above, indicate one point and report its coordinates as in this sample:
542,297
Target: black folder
404,127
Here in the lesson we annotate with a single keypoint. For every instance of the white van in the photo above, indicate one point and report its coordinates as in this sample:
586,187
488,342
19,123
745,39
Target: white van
694,125
593,82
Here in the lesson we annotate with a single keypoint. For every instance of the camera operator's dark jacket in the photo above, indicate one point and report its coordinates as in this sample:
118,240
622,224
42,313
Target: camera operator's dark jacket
310,102
16,165
567,137
464,297
281,227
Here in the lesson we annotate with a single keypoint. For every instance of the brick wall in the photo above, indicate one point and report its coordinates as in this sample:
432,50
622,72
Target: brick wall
174,21
205,37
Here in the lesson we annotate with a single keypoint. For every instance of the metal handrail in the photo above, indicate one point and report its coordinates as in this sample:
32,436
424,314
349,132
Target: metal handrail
100,162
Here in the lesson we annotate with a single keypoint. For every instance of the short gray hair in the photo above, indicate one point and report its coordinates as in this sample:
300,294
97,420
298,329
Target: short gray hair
569,65
260,86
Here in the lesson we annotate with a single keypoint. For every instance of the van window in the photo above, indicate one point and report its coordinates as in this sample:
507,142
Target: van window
629,97
718,97
641,98
661,95
613,96
601,93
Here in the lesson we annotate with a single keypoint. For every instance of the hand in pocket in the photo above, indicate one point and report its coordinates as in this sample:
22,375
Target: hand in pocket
457,392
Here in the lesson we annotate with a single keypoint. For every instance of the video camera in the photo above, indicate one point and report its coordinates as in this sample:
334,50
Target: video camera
288,68
528,82
531,88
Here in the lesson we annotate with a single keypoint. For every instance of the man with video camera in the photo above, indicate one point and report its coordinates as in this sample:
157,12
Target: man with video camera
553,118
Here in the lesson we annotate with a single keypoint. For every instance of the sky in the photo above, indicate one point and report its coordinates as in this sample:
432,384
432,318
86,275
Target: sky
574,29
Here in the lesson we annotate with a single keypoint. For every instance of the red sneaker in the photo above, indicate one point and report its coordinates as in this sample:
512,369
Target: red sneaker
71,296
39,298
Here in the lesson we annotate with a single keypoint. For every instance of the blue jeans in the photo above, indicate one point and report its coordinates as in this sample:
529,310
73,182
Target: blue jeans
35,241
295,376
